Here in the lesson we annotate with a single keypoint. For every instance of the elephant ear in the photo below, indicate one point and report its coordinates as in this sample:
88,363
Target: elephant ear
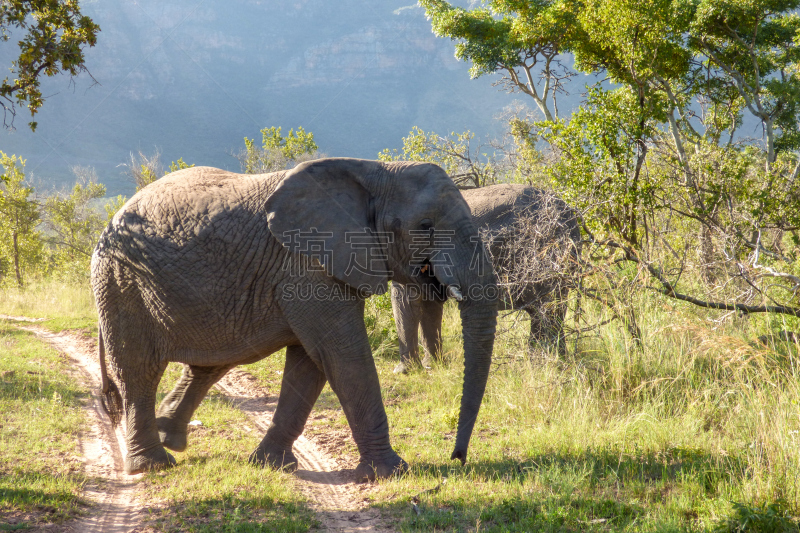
322,210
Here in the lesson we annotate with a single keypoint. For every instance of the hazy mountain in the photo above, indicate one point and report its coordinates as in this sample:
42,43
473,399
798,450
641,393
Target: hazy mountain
194,78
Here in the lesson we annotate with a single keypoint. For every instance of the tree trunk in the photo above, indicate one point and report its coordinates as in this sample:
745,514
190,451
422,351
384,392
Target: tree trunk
707,255
16,259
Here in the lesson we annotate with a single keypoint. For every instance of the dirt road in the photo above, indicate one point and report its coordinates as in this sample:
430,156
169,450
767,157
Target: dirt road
102,446
330,489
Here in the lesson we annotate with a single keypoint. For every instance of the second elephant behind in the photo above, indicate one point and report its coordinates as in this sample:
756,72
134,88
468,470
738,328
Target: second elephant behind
532,238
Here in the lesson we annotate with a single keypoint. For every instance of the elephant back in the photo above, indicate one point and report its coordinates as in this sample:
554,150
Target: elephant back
178,244
531,235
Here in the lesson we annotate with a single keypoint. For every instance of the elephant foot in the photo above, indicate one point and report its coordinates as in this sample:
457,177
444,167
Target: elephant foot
406,366
172,435
427,362
370,470
156,459
401,368
275,456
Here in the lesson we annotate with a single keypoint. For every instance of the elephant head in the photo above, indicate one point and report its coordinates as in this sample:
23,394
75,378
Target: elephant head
368,222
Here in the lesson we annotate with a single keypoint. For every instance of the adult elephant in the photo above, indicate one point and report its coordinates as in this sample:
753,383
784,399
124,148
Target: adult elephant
214,269
532,237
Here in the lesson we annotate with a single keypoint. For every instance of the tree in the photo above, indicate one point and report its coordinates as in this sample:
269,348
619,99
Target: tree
753,46
55,34
74,223
655,157
522,40
665,142
465,164
19,216
145,169
276,151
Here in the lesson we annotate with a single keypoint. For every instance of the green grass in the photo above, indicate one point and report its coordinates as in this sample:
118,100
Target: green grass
65,305
41,472
608,439
699,431
214,488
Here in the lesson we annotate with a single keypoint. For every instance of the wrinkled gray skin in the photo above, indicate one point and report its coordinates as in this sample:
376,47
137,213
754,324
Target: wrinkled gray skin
495,209
202,268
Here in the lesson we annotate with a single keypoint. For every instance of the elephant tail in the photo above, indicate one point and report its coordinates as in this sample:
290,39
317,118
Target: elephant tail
110,397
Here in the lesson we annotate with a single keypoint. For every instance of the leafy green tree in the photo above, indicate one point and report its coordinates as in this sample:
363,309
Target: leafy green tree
463,162
604,153
522,40
276,151
753,46
659,148
19,216
178,165
73,221
145,169
54,35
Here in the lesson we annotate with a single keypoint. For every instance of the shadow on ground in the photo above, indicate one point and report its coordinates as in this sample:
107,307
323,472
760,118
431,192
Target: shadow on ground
50,504
598,490
233,515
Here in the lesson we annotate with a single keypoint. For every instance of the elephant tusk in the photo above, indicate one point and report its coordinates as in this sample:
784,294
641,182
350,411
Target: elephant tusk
453,292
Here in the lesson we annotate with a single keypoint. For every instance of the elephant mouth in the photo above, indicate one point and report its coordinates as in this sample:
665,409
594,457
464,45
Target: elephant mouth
423,274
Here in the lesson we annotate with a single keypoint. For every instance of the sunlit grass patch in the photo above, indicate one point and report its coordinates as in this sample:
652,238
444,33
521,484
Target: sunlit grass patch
41,471
269,371
213,487
67,305
696,431
608,438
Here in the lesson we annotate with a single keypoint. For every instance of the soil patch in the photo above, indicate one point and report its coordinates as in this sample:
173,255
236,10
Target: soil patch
329,483
115,508
335,496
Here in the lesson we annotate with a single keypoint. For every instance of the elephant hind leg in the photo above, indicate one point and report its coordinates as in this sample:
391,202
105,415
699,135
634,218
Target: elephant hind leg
179,405
301,385
547,325
130,347
140,372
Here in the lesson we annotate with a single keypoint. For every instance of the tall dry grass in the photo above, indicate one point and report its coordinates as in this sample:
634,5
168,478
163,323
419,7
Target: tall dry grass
702,416
65,304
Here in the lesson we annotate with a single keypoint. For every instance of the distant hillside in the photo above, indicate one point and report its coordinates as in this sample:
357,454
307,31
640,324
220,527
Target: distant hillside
194,78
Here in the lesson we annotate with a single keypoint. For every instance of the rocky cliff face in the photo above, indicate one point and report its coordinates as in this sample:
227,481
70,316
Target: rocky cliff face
397,52
194,78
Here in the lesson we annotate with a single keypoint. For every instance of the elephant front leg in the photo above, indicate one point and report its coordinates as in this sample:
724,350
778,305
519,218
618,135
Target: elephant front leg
431,322
407,313
350,369
358,389
334,336
177,408
301,385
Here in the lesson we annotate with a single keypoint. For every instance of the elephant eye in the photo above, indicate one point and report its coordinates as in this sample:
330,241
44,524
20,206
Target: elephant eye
426,224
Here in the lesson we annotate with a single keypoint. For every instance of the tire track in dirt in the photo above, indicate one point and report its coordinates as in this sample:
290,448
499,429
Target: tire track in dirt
332,490
21,318
102,446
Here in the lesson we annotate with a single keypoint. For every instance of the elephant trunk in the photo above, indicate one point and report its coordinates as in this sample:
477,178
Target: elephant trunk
478,319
